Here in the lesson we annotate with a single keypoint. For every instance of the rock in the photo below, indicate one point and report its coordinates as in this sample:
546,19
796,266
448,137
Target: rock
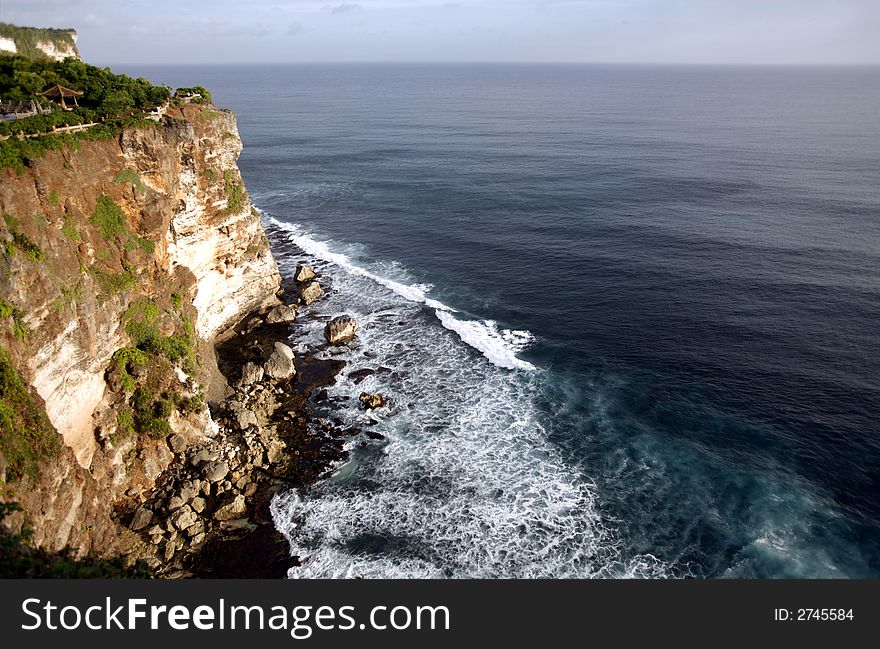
188,491
251,373
310,292
198,504
142,517
340,329
246,418
281,313
359,375
304,274
156,529
374,435
195,529
215,471
184,518
175,502
201,457
280,364
250,490
198,539
371,401
177,444
231,510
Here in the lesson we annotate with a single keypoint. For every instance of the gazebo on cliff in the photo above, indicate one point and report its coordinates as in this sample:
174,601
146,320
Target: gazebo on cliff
58,93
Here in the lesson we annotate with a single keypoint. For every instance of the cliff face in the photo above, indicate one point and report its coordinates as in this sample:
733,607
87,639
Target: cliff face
122,261
57,44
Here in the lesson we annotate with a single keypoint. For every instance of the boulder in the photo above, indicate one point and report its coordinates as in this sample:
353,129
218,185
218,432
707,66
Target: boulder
236,508
201,457
184,518
310,292
199,504
280,363
371,401
142,517
251,373
340,329
281,313
177,444
304,274
216,471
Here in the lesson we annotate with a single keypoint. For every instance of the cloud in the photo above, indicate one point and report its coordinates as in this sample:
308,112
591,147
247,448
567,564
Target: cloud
345,8
294,28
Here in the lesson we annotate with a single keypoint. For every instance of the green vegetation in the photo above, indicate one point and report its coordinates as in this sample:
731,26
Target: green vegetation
112,101
234,192
17,315
124,426
110,218
20,241
210,175
19,558
131,176
177,301
125,360
69,229
8,311
28,436
151,414
204,97
111,283
26,39
53,198
70,295
207,115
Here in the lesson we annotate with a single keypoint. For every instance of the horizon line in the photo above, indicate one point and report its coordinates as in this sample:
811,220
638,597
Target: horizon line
483,62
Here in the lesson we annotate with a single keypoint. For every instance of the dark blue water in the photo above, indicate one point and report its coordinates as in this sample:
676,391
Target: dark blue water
653,346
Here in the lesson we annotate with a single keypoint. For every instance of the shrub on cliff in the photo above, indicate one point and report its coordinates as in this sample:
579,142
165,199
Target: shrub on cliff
26,435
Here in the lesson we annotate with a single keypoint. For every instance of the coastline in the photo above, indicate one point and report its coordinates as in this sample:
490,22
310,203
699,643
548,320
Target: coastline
269,439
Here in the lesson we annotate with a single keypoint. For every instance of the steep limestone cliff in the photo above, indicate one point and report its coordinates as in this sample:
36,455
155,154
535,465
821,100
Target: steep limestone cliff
56,44
121,263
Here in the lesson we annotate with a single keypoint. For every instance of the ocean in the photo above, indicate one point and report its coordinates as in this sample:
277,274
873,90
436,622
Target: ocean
627,316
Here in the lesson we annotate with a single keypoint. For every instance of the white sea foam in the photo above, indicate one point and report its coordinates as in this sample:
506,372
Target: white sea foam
500,346
467,483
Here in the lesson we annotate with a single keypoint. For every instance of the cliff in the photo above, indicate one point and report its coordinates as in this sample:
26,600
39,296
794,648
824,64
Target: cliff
55,44
123,259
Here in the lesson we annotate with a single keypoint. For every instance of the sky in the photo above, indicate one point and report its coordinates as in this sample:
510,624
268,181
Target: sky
576,31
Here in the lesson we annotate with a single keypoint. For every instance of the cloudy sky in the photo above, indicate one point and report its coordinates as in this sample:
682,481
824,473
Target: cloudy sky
656,31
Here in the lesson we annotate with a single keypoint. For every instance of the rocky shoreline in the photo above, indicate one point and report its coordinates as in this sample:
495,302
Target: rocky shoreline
208,515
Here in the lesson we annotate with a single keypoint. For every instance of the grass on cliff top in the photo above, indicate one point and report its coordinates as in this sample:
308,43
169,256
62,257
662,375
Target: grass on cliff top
27,434
21,559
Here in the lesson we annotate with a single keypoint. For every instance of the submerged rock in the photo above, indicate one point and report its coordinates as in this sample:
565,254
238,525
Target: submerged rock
304,274
310,292
340,329
281,313
280,364
372,401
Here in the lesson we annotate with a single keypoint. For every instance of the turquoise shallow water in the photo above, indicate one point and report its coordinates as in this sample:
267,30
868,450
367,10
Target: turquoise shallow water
631,312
